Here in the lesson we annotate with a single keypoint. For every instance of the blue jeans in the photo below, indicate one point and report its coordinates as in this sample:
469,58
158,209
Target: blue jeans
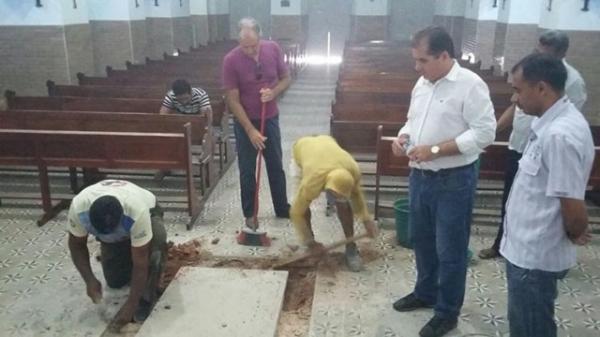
273,161
440,220
531,295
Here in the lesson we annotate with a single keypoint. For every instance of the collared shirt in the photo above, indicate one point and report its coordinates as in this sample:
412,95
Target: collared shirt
556,163
456,107
248,76
135,223
197,103
574,89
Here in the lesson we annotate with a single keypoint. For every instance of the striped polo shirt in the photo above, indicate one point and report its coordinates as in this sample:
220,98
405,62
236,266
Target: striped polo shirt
198,102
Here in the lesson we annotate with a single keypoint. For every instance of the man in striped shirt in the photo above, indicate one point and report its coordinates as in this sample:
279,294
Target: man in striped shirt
184,99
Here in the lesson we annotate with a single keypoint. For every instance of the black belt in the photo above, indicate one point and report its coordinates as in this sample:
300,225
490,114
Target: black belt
442,172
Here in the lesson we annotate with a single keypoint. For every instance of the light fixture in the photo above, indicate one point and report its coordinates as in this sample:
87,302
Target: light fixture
38,3
156,3
137,4
495,4
549,8
586,5
74,4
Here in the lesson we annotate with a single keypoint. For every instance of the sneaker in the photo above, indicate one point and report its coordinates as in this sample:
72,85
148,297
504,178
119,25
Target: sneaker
410,302
437,327
353,260
488,253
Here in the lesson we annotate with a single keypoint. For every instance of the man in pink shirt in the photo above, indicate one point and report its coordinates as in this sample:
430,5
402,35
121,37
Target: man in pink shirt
255,73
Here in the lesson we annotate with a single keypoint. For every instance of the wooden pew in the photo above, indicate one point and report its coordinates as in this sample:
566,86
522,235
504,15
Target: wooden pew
115,150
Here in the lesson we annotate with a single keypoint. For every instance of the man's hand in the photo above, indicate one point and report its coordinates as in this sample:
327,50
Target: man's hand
371,228
257,139
94,290
584,238
421,153
398,145
124,316
316,248
266,95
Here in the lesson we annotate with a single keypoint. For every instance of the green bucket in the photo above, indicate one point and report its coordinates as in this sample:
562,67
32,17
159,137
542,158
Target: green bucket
402,211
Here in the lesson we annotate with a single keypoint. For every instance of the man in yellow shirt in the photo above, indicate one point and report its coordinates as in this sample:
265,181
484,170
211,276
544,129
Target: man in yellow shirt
322,165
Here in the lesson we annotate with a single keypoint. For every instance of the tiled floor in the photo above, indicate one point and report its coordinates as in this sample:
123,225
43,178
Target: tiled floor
41,293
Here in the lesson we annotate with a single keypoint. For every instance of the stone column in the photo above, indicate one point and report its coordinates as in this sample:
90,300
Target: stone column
369,20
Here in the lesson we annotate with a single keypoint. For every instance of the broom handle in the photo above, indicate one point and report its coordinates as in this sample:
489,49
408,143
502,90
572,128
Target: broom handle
263,112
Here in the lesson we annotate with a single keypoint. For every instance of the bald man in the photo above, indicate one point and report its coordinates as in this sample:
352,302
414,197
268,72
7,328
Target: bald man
254,73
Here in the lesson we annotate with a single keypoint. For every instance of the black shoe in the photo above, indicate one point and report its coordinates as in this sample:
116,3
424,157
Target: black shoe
437,327
410,302
284,214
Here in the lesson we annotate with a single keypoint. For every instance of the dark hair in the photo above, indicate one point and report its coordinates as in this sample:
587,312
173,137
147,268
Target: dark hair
181,87
438,41
557,40
543,68
105,214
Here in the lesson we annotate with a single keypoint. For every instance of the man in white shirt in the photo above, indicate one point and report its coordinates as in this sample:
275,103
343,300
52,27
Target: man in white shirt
450,121
128,223
539,245
554,43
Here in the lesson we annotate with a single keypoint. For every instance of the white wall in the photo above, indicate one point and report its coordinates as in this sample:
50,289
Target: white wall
481,10
110,10
163,10
567,15
218,7
295,8
24,13
370,7
73,16
180,8
137,13
520,12
198,7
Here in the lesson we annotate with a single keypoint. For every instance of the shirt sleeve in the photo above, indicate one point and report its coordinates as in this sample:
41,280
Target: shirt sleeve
204,99
577,94
566,168
230,78
74,225
141,231
168,102
406,129
282,68
478,112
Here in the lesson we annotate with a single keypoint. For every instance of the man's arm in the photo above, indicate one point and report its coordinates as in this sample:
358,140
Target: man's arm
575,218
506,119
81,259
139,276
268,94
233,102
165,111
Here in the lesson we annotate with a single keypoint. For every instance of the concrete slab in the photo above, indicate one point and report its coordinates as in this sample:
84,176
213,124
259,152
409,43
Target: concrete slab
218,302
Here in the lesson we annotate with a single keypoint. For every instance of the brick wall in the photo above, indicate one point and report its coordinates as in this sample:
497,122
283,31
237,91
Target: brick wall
200,29
30,56
139,40
111,45
364,28
289,27
478,38
159,33
218,27
182,33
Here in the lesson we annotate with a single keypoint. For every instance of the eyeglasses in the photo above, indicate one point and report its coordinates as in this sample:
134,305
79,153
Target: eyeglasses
258,73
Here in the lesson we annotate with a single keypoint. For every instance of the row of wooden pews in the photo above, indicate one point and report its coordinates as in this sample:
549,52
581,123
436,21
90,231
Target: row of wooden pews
113,123
371,103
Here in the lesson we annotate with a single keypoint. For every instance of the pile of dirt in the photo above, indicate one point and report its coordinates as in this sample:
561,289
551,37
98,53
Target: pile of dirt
185,254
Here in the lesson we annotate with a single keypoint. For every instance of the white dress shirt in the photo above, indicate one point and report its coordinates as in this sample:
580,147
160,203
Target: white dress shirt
574,89
456,107
556,163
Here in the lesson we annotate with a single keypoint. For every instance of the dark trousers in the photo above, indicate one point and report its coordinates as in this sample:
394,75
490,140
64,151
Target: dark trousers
441,204
117,263
273,161
531,296
512,165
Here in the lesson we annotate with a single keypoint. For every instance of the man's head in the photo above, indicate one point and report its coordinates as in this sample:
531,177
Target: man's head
538,82
105,214
340,182
249,37
433,52
553,42
182,91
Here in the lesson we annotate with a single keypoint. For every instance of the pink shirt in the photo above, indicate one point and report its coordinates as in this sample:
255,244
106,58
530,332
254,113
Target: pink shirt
243,73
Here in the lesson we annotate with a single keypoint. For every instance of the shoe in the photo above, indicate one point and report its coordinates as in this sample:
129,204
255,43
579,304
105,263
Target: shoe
283,215
488,253
353,260
410,302
142,311
437,327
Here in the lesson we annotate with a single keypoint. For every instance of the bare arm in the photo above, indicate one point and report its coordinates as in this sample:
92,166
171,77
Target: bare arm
81,257
575,218
506,120
164,110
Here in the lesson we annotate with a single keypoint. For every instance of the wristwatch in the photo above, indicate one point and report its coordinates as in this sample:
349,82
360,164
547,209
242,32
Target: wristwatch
435,149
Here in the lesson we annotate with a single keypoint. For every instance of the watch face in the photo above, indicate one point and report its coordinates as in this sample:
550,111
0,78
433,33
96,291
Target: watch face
435,149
